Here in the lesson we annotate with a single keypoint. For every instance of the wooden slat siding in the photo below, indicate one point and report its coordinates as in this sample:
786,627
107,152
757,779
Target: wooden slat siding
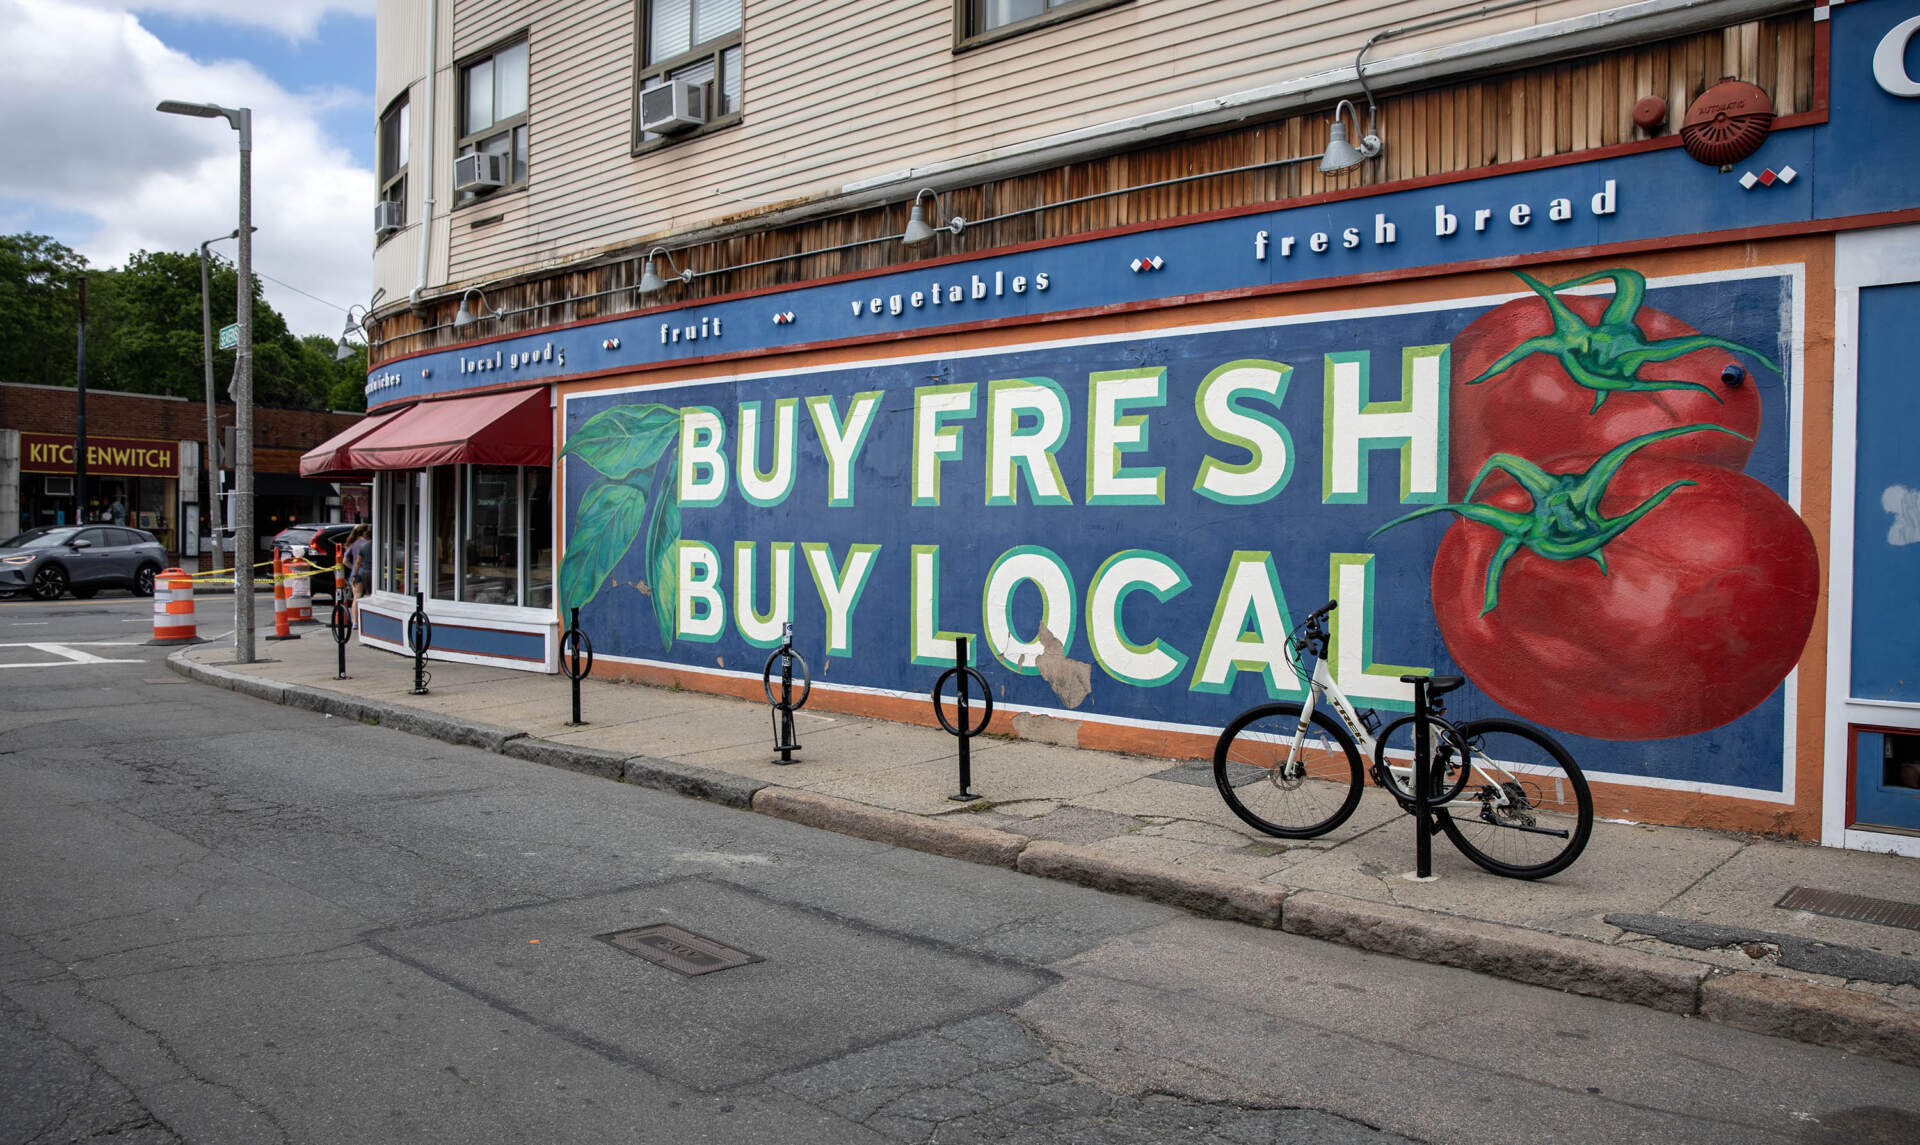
1498,119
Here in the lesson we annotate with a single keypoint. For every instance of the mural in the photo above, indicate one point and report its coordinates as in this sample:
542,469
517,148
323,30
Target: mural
1576,498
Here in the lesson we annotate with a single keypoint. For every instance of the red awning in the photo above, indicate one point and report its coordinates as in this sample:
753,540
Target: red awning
330,459
513,428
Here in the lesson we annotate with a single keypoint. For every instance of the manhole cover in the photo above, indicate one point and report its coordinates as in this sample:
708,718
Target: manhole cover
680,950
1859,908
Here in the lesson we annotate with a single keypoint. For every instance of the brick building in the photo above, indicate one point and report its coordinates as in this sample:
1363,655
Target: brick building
148,449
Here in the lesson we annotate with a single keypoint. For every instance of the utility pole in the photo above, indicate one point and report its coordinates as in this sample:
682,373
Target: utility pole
212,465
80,416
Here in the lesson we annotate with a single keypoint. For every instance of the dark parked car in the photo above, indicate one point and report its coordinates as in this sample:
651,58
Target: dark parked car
82,559
323,544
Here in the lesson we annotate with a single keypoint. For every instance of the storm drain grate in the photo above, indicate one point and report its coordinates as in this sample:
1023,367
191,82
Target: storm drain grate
679,950
1860,908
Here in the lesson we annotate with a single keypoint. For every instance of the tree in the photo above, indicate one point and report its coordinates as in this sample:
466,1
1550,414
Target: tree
144,331
39,310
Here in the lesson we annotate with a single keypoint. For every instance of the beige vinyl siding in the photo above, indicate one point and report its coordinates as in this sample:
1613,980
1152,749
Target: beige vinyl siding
837,94
400,62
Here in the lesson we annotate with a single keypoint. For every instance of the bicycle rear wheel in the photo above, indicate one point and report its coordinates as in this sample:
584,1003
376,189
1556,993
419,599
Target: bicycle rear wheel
1272,788
1526,812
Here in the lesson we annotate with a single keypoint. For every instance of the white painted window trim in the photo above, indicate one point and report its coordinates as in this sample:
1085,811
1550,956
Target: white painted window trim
1882,257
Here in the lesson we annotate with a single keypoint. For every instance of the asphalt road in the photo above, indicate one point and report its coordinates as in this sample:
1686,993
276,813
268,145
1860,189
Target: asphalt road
227,921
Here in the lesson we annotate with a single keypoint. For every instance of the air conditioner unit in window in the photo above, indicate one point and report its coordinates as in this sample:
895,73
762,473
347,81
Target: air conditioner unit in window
676,105
389,215
480,172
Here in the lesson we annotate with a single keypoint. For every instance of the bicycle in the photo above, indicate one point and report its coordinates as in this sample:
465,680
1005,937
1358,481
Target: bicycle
1506,794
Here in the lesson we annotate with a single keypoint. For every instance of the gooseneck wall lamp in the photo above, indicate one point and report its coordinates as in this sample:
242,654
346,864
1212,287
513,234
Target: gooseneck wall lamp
919,230
650,280
464,317
344,348
1341,155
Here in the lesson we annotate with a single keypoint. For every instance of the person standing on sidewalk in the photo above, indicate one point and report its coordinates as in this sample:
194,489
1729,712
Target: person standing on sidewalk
359,566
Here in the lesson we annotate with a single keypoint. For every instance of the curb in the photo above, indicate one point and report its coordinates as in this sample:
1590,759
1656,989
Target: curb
1200,892
983,845
1766,1004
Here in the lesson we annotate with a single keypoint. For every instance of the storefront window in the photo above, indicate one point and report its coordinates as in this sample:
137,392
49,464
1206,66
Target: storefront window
397,532
446,530
491,528
491,531
539,533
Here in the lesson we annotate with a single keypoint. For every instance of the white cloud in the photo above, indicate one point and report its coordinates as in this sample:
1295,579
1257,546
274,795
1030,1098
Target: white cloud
295,19
87,140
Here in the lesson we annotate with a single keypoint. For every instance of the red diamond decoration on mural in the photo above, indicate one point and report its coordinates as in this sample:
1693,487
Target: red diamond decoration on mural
1767,177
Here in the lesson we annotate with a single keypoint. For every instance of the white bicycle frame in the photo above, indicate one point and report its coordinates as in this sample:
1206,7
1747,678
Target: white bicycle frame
1493,775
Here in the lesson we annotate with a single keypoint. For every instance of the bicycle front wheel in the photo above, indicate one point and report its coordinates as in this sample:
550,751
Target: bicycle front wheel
1284,776
1525,812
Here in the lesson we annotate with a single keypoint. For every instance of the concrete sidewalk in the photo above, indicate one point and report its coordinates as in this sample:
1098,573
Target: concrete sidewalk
1674,918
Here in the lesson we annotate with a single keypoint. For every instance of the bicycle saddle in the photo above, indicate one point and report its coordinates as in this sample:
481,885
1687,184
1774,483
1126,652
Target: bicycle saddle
1436,685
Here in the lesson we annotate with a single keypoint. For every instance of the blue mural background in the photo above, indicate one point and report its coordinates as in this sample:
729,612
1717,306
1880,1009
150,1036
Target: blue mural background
1297,527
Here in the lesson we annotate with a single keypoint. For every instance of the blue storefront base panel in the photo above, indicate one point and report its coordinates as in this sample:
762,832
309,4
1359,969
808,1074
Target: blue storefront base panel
467,640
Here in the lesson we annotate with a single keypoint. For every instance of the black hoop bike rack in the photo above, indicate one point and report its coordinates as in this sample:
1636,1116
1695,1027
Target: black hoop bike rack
963,729
419,638
573,643
784,705
340,622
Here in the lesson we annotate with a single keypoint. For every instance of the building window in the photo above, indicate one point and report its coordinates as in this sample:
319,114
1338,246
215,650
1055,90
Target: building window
693,40
394,140
493,113
984,21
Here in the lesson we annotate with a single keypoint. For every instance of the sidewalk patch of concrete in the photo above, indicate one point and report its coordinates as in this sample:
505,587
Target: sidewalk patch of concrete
1795,953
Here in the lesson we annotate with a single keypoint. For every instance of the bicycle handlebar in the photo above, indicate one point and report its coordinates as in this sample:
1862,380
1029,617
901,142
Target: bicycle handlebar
1317,613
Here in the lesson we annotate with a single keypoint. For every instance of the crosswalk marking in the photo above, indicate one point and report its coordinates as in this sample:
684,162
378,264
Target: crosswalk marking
69,653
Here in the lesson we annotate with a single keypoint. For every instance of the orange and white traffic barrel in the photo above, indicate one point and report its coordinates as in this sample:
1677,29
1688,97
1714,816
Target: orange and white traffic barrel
299,591
173,616
282,629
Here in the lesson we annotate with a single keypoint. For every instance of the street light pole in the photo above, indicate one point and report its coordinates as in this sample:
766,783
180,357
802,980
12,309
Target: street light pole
241,120
243,410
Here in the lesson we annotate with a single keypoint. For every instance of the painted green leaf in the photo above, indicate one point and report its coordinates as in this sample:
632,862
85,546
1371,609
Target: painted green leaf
625,438
610,517
663,559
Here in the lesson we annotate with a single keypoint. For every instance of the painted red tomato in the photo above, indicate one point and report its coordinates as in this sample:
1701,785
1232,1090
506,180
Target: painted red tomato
1692,607
1556,376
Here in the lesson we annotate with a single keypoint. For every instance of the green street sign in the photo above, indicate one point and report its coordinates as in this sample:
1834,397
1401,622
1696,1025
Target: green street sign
229,336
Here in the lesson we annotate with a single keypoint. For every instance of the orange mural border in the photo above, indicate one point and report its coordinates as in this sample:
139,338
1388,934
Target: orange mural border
1797,819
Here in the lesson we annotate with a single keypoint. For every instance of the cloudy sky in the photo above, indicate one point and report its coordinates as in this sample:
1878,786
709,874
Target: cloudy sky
97,168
